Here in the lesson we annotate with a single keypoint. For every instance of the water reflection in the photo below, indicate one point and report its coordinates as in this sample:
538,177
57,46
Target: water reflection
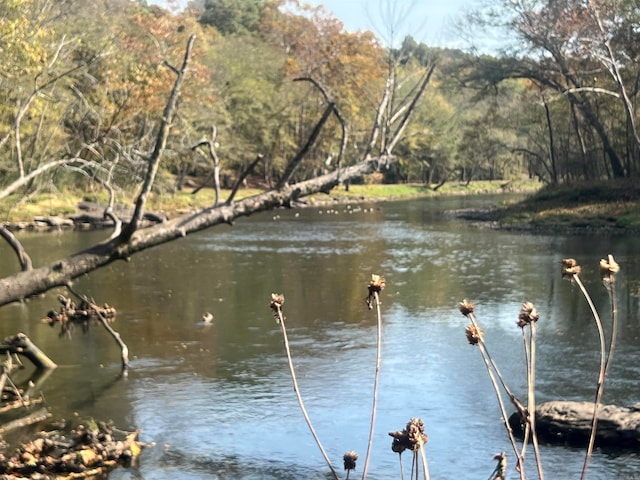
218,401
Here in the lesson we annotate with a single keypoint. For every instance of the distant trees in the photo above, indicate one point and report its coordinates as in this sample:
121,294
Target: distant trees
84,84
581,60
232,16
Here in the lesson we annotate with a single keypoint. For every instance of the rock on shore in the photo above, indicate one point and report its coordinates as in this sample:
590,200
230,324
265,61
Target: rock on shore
569,423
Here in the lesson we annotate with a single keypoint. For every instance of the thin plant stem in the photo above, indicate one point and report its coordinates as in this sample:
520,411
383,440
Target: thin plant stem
527,429
601,375
401,467
414,466
376,299
614,325
298,396
491,367
425,465
531,397
503,410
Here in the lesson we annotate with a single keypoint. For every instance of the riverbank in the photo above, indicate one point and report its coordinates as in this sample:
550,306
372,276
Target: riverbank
69,210
606,207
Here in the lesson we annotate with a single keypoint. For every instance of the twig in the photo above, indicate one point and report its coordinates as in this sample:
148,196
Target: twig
124,350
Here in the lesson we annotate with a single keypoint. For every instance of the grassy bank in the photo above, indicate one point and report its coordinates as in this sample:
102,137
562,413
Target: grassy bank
611,206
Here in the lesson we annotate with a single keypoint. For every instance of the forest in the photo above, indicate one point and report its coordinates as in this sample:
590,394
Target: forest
84,84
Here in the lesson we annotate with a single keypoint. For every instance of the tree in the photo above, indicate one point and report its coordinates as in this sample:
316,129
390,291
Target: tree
232,16
556,51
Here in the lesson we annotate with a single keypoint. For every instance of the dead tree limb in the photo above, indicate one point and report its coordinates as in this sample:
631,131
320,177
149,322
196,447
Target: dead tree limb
23,256
241,178
215,173
377,123
161,142
411,107
59,273
20,344
336,111
22,181
98,314
295,161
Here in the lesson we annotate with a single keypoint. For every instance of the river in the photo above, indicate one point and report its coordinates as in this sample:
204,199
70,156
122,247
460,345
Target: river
217,400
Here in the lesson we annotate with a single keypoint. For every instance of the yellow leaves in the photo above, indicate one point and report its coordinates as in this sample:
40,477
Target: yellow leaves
87,457
132,442
23,41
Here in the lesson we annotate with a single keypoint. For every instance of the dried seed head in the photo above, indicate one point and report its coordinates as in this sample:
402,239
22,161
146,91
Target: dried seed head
474,334
528,314
412,437
415,432
277,299
501,468
570,268
376,284
608,268
466,307
397,445
349,459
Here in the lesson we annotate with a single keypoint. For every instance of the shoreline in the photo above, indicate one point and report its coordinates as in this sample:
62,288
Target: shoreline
610,208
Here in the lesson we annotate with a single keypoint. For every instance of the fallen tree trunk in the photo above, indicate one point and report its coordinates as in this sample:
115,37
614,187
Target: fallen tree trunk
569,423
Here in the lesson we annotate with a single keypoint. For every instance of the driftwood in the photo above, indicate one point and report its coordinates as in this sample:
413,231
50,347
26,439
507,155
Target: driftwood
569,423
20,344
91,450
84,314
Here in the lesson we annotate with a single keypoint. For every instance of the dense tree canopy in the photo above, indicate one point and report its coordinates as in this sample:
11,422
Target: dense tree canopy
84,84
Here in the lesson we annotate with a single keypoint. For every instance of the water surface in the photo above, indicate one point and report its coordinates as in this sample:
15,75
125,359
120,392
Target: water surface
217,400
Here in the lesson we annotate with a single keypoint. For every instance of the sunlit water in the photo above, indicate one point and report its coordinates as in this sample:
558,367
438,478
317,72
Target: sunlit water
217,400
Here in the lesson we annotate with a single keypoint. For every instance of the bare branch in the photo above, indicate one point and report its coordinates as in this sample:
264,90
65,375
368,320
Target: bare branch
20,182
592,90
161,142
411,109
241,178
295,161
336,110
23,257
215,173
382,107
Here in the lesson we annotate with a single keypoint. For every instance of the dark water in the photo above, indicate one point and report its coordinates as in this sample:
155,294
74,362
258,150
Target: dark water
218,401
